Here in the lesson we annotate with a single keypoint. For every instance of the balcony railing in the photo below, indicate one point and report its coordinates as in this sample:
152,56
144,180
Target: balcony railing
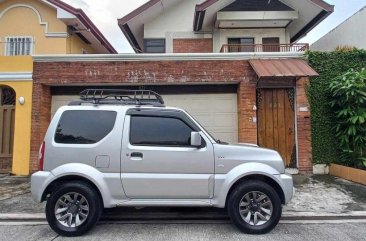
228,48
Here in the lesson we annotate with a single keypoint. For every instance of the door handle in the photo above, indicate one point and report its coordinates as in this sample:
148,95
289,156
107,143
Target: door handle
136,155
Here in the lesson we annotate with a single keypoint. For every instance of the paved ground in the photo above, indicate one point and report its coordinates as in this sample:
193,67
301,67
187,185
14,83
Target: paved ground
323,194
13,186
173,232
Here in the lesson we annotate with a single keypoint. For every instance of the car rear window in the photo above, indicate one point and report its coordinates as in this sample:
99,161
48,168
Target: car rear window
84,126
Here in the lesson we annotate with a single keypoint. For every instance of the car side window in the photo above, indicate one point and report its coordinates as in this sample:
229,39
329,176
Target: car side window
159,131
84,126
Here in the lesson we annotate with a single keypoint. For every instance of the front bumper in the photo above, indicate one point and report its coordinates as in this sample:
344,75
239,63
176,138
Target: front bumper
39,182
287,185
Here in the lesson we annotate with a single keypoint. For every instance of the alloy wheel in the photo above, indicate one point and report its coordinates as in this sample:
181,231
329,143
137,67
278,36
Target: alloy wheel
255,208
72,209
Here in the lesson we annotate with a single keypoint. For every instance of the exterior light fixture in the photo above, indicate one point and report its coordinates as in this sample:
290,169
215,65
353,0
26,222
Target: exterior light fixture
21,100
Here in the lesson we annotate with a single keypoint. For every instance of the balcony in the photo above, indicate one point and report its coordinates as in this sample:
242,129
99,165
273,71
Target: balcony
234,48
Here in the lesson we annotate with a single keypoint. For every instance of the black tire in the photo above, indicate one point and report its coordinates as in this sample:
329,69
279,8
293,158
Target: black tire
93,199
235,198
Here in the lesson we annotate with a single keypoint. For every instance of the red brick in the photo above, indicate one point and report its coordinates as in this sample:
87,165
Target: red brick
303,128
195,45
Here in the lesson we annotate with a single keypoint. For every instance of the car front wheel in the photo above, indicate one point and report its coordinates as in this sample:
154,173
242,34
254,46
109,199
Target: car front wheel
73,209
254,207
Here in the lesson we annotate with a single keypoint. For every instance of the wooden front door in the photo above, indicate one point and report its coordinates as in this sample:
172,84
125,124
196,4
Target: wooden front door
7,124
276,122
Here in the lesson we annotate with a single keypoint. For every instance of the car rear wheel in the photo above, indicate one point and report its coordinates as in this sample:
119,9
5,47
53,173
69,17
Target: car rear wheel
254,207
73,209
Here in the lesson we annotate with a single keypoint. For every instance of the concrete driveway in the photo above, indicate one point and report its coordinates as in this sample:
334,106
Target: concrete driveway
324,193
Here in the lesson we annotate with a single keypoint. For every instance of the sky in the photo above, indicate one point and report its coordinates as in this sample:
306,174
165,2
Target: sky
104,14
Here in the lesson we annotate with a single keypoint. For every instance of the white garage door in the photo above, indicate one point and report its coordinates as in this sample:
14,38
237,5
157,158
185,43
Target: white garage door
218,113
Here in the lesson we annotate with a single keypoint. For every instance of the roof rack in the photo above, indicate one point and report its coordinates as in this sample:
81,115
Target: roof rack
120,96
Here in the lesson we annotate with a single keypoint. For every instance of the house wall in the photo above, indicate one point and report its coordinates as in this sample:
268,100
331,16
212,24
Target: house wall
198,45
183,72
172,20
75,45
170,27
349,33
36,19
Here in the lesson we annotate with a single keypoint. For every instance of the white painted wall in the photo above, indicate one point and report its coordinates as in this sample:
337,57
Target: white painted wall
221,35
178,18
351,32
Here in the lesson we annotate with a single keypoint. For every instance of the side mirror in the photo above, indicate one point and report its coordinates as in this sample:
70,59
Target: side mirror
196,139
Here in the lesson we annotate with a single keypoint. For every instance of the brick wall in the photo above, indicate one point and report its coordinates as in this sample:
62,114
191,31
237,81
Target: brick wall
149,72
198,45
159,72
303,128
247,129
41,117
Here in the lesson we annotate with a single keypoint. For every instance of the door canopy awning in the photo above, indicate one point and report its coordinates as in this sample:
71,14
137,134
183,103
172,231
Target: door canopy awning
283,68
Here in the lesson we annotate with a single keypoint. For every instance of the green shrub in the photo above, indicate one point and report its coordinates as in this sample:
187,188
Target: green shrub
349,106
329,65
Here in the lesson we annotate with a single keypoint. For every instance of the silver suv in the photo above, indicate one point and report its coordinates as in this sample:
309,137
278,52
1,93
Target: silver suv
125,148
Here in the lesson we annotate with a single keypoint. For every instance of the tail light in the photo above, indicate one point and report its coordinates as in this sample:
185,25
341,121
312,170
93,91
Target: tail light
41,156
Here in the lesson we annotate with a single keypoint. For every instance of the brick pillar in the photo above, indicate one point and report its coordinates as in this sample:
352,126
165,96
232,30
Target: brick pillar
246,101
303,127
41,116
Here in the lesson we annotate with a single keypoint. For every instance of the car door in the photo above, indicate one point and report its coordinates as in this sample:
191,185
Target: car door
157,161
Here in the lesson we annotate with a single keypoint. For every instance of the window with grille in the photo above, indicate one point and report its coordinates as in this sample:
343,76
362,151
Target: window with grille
18,45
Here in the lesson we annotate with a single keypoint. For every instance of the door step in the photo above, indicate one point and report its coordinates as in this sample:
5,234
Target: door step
292,171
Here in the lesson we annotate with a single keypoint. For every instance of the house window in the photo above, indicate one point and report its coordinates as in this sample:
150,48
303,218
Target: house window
241,44
154,45
19,45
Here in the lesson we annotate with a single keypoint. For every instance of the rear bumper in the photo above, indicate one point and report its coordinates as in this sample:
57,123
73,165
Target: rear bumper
39,182
287,185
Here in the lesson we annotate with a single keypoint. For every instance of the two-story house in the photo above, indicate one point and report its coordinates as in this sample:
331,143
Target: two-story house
34,27
235,66
193,26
